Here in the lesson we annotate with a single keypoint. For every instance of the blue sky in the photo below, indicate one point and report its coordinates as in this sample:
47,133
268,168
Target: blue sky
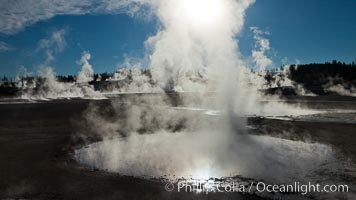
300,31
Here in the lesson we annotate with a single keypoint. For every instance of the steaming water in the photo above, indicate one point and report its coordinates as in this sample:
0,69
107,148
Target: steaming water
171,155
282,114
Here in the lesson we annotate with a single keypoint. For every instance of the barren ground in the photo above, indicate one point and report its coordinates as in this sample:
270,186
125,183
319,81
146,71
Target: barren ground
36,141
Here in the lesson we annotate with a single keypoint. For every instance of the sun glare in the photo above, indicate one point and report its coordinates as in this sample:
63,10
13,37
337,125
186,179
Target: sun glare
202,12
203,174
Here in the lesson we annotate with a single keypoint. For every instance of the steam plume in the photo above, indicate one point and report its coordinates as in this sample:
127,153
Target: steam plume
87,72
189,55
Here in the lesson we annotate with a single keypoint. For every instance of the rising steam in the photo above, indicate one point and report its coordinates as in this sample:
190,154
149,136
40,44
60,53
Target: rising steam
87,73
46,86
195,50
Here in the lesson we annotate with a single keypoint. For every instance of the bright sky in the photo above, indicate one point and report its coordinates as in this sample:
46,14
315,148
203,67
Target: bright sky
33,33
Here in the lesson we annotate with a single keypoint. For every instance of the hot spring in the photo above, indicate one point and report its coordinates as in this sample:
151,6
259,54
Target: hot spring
214,148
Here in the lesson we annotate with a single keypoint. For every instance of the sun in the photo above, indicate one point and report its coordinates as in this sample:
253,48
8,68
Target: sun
202,12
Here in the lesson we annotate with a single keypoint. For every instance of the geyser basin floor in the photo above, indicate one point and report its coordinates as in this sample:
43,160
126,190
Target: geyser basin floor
37,139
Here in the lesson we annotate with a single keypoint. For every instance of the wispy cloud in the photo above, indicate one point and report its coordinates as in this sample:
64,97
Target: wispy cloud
262,46
5,47
53,44
15,15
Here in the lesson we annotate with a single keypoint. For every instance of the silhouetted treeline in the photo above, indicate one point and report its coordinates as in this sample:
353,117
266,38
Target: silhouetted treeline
66,79
315,77
97,77
11,82
311,75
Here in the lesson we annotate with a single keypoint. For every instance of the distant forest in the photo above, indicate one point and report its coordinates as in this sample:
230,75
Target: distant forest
309,75
316,76
10,81
319,74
